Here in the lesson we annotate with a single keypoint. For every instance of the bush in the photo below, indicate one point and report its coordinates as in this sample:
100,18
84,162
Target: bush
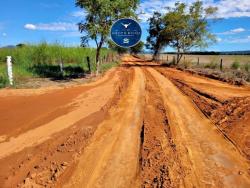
235,65
3,81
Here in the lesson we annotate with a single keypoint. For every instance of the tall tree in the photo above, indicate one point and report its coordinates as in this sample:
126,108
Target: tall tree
100,15
137,48
155,41
188,27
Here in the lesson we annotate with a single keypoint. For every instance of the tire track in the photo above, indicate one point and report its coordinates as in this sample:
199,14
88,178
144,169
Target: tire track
210,159
160,163
112,158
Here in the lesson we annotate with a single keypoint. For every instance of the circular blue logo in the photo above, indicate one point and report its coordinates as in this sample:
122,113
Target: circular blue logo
126,32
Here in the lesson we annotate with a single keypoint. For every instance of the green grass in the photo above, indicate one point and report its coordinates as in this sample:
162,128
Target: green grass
235,65
42,60
212,65
246,67
107,66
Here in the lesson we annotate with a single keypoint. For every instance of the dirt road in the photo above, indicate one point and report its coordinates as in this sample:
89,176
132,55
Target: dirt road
141,125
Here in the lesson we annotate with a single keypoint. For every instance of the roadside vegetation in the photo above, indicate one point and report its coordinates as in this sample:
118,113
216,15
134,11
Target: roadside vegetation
52,61
183,28
234,69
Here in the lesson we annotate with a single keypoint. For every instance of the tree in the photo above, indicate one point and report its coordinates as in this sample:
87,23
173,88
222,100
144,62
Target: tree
188,29
137,48
100,15
116,48
155,40
20,45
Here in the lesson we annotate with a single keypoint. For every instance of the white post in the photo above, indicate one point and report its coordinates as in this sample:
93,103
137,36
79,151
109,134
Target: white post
9,70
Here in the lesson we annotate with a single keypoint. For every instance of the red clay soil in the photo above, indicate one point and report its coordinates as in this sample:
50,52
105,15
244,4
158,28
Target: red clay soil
22,110
230,114
160,164
140,125
43,164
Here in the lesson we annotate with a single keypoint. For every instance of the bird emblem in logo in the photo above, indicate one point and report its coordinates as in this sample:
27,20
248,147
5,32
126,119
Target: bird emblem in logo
126,25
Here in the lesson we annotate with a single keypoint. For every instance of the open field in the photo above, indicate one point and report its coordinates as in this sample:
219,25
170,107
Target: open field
42,61
228,60
141,125
234,68
204,59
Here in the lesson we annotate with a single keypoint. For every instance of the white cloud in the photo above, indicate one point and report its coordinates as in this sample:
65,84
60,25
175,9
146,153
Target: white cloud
226,8
219,39
238,30
147,8
4,34
56,26
238,40
232,31
233,8
78,14
30,26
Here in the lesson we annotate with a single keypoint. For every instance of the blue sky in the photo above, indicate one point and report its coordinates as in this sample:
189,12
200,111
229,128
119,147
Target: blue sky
33,21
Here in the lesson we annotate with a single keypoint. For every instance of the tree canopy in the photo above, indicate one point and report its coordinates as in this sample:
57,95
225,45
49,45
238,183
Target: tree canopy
182,27
100,15
156,39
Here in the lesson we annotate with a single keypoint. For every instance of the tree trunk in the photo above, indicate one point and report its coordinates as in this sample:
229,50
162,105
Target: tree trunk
97,60
88,62
97,57
179,56
155,55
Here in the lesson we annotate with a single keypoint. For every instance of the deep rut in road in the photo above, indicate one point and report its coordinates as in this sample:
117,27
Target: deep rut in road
208,158
160,164
230,114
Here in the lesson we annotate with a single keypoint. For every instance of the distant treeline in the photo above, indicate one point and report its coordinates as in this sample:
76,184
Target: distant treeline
214,53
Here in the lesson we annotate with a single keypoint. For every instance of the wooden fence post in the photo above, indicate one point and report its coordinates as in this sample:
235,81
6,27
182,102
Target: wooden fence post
88,62
198,62
221,64
61,65
9,70
174,61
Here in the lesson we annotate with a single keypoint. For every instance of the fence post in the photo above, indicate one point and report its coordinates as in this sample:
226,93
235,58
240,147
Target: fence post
198,62
221,64
9,70
174,60
88,62
61,65
105,59
167,58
